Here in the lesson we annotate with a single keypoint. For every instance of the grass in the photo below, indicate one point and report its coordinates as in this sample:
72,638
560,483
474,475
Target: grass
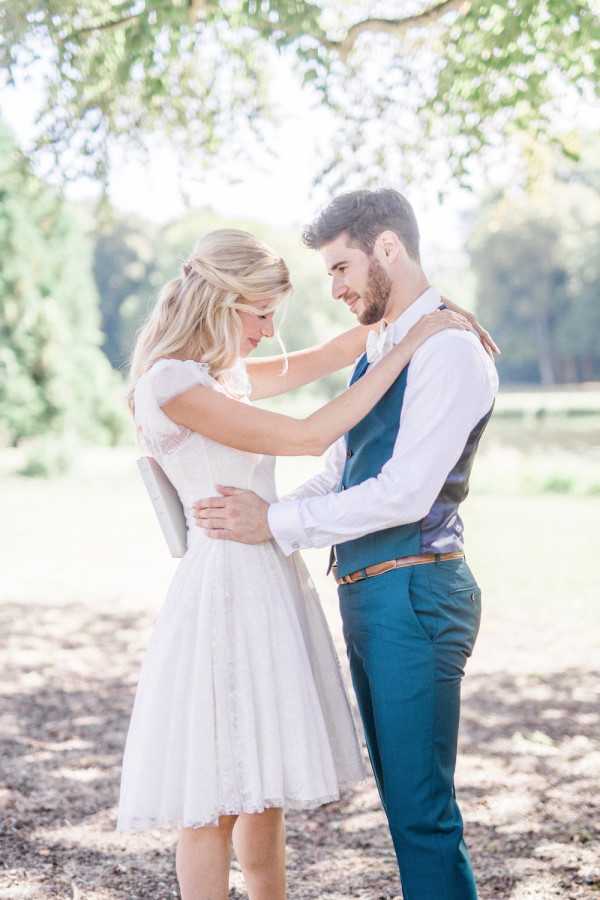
554,402
93,533
506,470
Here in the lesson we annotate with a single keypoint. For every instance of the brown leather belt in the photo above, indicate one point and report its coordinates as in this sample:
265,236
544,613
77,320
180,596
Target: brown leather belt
401,563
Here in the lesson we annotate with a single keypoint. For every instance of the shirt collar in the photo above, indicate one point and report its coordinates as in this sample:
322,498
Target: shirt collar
429,300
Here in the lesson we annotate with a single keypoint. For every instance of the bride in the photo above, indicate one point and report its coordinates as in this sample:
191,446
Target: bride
240,710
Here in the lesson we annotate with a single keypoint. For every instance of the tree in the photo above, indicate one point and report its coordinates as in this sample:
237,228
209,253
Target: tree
124,268
535,256
450,75
53,377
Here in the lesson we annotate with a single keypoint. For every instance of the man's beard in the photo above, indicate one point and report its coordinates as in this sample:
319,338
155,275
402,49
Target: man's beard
377,294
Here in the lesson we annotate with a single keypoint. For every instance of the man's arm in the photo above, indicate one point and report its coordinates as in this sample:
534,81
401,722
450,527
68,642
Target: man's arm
451,386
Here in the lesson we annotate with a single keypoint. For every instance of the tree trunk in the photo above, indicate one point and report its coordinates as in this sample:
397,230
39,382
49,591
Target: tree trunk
570,370
545,355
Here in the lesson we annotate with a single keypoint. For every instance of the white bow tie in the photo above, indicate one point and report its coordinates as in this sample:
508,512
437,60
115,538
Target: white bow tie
378,344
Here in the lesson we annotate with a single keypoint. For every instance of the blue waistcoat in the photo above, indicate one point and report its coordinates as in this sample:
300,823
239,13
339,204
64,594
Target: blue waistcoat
369,445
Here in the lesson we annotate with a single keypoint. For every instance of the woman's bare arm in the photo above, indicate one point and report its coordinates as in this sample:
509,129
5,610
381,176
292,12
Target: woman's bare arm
245,427
269,378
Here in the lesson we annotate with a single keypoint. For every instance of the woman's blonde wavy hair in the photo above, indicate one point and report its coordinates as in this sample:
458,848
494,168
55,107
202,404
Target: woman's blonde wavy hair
196,315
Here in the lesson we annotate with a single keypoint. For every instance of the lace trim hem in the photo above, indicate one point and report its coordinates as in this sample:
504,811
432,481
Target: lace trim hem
147,823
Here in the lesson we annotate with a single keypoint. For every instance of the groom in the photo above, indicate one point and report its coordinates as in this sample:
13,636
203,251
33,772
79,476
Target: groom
388,501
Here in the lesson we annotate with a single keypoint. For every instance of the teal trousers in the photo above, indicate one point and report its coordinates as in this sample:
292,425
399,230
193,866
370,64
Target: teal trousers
408,634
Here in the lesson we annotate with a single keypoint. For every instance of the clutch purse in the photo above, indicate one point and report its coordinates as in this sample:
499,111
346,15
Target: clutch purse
167,505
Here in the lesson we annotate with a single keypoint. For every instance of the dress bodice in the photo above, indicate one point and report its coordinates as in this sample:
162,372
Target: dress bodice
194,464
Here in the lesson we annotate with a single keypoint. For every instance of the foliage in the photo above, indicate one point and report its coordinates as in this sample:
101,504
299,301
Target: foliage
124,267
53,376
535,256
456,75
48,457
509,66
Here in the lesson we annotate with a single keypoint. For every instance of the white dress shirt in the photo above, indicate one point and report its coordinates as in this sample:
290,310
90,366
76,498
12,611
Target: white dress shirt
451,385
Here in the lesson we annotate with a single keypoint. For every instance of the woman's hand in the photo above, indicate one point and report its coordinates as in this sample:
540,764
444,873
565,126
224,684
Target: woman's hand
489,344
434,322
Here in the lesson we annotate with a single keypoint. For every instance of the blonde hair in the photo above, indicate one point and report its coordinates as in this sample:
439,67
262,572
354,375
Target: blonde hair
196,315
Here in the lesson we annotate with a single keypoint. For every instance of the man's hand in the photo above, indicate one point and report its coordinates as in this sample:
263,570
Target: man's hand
234,516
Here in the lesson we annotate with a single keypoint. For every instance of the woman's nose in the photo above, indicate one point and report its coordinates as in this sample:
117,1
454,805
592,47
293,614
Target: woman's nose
268,329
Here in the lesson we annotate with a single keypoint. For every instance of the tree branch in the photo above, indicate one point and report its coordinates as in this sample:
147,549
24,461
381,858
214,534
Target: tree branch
344,47
396,27
110,23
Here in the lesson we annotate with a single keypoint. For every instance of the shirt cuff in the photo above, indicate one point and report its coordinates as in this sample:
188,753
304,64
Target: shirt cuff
285,524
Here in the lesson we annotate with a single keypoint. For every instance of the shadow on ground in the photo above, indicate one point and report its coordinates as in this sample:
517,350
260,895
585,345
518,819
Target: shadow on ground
527,781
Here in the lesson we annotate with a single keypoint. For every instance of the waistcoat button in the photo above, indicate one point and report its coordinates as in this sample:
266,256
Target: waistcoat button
349,454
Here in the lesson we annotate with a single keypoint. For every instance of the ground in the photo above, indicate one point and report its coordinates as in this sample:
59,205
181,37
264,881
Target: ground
86,574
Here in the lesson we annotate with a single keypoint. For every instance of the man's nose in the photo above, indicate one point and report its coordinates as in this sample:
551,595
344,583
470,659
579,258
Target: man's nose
338,289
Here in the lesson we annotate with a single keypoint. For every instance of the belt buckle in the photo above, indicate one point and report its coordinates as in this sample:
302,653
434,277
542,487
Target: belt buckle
361,574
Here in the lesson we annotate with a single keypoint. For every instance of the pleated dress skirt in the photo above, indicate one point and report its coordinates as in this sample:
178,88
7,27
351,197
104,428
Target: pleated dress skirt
240,704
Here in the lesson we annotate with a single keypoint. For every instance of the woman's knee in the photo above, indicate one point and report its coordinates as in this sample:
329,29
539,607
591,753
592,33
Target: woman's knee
259,838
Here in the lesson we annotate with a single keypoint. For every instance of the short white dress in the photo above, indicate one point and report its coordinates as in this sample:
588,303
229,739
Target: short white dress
240,704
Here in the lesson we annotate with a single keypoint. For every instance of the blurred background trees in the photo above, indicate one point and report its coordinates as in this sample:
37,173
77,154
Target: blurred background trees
538,273
447,95
463,74
54,378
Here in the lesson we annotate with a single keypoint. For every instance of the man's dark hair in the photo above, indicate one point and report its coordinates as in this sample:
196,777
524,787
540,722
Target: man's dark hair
364,215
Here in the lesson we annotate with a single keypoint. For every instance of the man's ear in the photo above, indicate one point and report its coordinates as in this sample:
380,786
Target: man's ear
389,246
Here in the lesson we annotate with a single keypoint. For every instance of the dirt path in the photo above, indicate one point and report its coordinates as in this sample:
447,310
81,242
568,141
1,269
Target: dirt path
528,779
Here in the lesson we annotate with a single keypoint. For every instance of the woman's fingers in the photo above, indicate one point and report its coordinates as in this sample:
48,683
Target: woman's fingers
468,322
456,320
491,342
484,336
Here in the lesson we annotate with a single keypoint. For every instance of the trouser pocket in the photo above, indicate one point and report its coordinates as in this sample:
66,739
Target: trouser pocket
446,602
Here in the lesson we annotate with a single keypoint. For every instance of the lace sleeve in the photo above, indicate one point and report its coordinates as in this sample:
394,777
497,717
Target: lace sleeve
171,377
168,378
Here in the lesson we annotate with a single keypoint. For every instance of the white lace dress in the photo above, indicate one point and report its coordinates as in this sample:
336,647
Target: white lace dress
240,704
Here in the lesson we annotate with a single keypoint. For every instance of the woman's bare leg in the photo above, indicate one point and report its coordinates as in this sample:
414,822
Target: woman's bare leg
203,860
259,843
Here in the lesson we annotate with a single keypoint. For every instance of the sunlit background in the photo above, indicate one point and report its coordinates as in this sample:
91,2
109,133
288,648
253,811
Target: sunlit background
126,131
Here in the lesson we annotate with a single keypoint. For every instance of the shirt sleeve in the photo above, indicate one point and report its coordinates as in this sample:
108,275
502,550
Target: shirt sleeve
450,387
